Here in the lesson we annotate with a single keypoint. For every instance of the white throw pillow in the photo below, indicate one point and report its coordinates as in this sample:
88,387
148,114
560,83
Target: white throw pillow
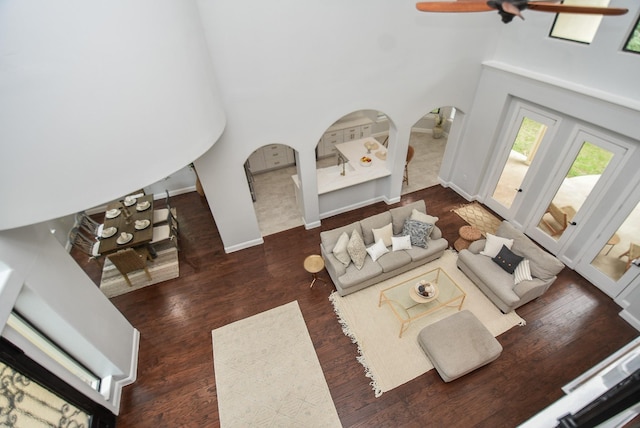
340,249
425,218
384,233
377,249
494,244
522,272
401,242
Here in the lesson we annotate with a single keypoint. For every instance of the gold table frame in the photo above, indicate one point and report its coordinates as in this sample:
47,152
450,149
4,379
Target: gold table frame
406,309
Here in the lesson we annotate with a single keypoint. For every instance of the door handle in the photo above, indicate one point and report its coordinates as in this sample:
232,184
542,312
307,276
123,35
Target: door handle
573,223
518,190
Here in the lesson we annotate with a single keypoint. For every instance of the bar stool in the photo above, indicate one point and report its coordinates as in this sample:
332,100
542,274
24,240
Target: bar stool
314,264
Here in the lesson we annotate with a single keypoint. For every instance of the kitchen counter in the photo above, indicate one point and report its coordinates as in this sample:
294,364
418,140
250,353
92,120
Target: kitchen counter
329,179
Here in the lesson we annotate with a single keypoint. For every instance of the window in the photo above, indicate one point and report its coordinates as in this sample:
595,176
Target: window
633,44
578,27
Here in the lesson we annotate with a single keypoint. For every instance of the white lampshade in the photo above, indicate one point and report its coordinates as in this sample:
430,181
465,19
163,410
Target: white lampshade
97,99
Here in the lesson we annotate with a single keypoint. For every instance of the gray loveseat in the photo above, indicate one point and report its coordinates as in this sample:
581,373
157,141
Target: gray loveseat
496,283
349,279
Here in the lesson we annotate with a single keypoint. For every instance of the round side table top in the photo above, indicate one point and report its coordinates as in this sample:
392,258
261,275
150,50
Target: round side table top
313,263
470,233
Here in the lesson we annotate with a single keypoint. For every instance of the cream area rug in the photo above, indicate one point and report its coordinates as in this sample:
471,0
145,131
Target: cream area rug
391,361
267,373
478,216
163,268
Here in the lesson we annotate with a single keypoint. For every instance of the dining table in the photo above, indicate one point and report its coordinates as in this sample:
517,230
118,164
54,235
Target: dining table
128,223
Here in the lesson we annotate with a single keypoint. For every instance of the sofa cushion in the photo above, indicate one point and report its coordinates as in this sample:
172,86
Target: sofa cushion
340,249
542,264
418,231
356,249
329,238
354,276
400,214
501,283
385,233
377,221
494,244
435,247
377,250
507,260
401,243
394,260
425,218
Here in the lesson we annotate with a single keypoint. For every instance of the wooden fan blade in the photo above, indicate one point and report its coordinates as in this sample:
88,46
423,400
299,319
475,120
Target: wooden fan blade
566,8
453,6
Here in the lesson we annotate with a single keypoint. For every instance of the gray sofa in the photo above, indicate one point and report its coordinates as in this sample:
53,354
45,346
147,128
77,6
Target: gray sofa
496,283
349,279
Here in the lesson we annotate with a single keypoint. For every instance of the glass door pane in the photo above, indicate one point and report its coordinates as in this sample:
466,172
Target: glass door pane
584,174
522,153
615,257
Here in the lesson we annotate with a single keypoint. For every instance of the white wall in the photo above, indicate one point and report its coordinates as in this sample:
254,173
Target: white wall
288,70
98,99
50,290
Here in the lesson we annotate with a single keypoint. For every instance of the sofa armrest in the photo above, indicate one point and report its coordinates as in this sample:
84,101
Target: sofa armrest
529,290
476,246
334,267
436,233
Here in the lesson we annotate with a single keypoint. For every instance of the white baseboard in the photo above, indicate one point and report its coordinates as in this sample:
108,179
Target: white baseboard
243,245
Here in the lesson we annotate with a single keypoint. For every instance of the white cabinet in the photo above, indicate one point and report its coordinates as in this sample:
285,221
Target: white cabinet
269,157
343,132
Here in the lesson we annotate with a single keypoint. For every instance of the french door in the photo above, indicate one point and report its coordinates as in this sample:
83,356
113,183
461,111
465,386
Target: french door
519,161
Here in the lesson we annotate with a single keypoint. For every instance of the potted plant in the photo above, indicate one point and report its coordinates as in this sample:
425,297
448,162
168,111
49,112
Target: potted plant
437,130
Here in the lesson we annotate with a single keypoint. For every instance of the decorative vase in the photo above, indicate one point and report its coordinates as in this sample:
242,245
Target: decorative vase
437,131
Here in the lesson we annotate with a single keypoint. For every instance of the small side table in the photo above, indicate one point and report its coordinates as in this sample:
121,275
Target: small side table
314,264
468,234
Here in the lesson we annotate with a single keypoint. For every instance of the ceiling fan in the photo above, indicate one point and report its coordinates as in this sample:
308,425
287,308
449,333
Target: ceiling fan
508,9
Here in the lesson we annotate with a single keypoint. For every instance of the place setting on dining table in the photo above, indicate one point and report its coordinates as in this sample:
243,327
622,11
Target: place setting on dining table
128,223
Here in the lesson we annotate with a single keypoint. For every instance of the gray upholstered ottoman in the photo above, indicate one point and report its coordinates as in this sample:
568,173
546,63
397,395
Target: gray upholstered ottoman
458,344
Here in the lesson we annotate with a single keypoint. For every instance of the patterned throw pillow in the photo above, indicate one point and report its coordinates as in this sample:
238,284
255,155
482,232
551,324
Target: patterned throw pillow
356,249
418,231
507,260
522,272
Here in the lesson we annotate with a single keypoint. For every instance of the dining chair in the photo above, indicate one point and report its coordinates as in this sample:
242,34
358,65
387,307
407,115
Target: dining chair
87,245
165,233
162,215
130,260
92,227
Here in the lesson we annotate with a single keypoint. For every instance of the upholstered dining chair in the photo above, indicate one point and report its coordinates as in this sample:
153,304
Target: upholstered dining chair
130,260
87,245
163,215
165,233
86,223
410,153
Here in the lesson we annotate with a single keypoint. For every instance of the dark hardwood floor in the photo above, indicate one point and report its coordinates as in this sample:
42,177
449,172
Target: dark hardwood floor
569,329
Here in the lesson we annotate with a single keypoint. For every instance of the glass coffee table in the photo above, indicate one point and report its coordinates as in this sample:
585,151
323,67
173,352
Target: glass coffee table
407,305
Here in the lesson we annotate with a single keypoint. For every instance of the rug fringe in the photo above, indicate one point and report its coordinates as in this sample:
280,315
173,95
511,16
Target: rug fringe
360,358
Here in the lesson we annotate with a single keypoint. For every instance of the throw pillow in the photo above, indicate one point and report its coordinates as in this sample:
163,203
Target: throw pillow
401,243
340,250
507,260
522,272
377,249
418,231
384,233
494,244
356,249
425,218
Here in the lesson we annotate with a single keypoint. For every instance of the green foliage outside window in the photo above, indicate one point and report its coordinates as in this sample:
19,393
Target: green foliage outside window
633,44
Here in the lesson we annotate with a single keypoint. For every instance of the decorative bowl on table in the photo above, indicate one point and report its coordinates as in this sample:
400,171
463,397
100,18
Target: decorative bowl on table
113,213
365,161
143,206
425,289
